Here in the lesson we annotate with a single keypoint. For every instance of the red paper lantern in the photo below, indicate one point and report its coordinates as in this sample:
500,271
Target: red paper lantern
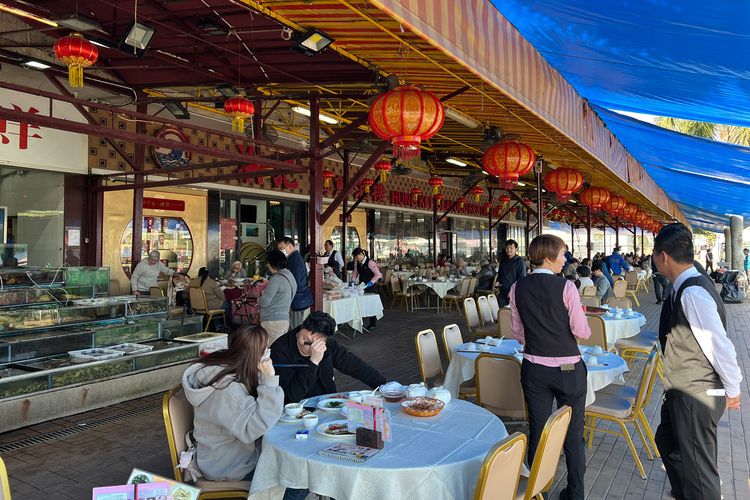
461,202
594,198
614,205
487,208
383,167
435,182
239,108
367,184
508,160
328,176
628,210
439,198
639,216
76,53
406,116
476,192
415,194
505,199
563,182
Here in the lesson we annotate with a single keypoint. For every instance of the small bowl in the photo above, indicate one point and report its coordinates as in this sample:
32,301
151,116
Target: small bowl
293,409
393,397
310,421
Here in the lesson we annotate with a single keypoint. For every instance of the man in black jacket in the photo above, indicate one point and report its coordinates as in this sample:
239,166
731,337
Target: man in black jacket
512,268
312,345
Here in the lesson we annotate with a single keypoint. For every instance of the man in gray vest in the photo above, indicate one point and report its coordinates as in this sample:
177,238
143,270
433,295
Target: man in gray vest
702,377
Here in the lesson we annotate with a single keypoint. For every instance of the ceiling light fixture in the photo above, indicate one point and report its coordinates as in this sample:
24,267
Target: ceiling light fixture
33,64
322,117
521,184
227,91
312,42
79,23
138,38
456,161
178,110
101,42
27,15
461,118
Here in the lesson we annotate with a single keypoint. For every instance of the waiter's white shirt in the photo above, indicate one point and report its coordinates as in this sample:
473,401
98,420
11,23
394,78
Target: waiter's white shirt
701,312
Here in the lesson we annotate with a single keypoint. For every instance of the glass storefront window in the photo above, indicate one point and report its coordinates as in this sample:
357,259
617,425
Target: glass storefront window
471,243
352,239
170,236
31,217
402,237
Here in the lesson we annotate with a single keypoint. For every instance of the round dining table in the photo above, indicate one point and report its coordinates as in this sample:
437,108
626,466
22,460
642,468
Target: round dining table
434,458
623,327
609,367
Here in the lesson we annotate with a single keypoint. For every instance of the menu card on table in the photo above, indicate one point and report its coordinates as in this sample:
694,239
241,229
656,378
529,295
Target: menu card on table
370,415
178,491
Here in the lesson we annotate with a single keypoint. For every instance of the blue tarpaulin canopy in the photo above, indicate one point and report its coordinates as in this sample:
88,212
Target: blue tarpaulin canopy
678,58
707,179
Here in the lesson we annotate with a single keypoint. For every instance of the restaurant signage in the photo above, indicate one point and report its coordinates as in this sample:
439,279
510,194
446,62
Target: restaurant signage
163,204
32,146
228,233
402,199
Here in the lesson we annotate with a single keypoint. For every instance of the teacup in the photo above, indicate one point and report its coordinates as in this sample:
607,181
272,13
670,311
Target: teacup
484,348
597,349
628,312
355,396
310,421
293,409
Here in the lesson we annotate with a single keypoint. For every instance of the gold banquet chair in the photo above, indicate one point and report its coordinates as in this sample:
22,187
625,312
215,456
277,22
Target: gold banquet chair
621,412
178,421
588,291
455,298
598,333
621,302
547,456
494,306
498,379
452,338
472,320
590,301
501,469
503,323
428,357
399,293
485,312
199,304
4,483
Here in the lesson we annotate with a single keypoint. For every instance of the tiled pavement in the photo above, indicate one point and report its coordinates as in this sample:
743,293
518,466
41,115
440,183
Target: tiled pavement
101,447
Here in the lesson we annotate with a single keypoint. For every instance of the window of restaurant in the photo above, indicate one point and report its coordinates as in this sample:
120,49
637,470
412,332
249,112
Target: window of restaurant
471,241
170,236
402,236
518,234
352,239
31,217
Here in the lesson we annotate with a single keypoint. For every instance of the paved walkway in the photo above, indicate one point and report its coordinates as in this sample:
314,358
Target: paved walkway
65,458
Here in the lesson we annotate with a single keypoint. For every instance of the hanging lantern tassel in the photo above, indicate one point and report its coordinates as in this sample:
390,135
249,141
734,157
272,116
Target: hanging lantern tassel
327,177
435,182
76,53
367,183
383,167
415,193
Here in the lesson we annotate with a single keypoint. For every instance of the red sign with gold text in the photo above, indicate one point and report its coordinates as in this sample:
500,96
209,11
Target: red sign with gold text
163,204
228,233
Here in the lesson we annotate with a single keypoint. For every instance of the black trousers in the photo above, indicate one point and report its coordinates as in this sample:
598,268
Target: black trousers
541,385
371,321
686,438
659,283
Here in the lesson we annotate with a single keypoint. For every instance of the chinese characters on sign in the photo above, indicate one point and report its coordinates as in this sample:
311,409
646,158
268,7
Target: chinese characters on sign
22,130
228,233
163,204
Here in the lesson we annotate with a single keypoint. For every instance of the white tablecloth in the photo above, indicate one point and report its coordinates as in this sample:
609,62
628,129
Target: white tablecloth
461,368
432,458
351,310
402,275
441,288
622,328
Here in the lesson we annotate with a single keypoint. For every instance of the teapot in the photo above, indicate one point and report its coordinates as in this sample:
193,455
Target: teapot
416,390
440,393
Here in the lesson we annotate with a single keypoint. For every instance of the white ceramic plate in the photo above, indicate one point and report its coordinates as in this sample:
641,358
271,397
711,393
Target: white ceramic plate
325,404
321,429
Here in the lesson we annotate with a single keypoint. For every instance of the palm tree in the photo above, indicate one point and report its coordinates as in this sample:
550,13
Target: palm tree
724,133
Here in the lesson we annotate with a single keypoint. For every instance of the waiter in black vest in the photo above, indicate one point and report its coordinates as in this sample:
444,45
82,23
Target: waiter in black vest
701,374
546,317
334,258
366,272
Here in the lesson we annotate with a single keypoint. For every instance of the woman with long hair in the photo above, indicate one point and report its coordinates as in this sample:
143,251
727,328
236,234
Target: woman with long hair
236,399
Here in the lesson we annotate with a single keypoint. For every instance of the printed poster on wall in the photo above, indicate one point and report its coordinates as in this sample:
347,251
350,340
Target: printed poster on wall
228,233
29,146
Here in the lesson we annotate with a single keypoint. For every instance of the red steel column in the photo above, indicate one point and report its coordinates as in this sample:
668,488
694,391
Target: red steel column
315,206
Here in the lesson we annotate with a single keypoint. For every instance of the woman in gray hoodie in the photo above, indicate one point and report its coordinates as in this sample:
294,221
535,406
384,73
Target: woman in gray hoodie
276,300
236,399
